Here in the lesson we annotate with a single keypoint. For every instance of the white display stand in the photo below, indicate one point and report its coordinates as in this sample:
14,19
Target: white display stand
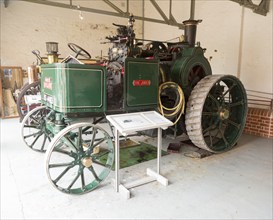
129,123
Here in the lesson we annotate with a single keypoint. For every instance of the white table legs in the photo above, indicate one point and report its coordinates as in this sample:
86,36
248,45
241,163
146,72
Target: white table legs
151,175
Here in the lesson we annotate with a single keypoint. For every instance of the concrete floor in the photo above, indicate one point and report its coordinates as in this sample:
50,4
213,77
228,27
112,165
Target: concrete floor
233,185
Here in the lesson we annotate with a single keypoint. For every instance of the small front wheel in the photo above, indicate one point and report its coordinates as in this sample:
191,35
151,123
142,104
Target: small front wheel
79,158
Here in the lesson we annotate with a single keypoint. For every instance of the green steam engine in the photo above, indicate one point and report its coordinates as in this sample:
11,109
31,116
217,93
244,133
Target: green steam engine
172,78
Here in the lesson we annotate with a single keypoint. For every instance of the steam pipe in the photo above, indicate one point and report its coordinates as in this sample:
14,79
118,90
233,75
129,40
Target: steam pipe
192,9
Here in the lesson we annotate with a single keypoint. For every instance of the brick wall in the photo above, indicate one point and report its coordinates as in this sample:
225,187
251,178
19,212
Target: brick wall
259,122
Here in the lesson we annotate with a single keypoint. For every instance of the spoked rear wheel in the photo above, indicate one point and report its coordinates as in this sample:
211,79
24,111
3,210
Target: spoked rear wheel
29,89
216,113
79,158
33,129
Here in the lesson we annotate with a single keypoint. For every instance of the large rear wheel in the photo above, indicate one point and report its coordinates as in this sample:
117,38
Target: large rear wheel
216,112
33,129
29,89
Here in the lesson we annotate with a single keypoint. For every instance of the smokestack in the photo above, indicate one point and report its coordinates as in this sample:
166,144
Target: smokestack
190,31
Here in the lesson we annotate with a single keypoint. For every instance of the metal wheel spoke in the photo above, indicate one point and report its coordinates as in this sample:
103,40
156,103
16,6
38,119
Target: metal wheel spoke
210,128
36,114
224,138
91,147
79,140
94,173
82,180
71,153
93,136
236,104
56,165
75,179
69,143
62,174
85,129
233,123
99,142
229,89
213,98
36,140
31,126
44,141
43,113
209,113
208,109
30,135
34,119
102,154
61,151
214,136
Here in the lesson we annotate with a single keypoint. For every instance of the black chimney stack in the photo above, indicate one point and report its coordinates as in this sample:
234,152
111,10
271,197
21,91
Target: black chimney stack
190,31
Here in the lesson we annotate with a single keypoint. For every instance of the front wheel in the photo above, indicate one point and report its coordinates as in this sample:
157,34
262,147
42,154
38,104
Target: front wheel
79,158
216,112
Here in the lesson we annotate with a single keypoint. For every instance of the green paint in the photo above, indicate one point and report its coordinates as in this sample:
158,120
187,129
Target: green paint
137,97
130,156
187,64
71,88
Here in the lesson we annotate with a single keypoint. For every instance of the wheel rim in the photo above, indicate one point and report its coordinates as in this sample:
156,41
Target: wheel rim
31,89
72,159
33,130
216,113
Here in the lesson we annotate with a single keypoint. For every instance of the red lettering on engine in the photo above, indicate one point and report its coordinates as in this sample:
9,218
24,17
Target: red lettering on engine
142,82
47,83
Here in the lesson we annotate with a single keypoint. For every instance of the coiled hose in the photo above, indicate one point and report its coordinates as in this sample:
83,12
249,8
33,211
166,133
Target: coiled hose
179,106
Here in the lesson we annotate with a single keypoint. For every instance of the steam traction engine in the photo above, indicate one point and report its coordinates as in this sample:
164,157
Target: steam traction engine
136,77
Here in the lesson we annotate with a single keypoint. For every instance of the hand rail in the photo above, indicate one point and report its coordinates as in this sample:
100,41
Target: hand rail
264,99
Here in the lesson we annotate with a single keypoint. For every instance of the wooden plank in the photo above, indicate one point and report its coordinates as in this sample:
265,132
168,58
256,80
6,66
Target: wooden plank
1,100
10,107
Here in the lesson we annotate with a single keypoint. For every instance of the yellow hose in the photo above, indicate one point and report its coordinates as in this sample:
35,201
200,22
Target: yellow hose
177,110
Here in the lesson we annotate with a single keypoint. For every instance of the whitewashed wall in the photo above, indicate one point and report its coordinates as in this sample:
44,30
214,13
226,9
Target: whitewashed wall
220,34
27,26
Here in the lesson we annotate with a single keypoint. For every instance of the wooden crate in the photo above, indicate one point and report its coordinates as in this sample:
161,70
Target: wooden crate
12,77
